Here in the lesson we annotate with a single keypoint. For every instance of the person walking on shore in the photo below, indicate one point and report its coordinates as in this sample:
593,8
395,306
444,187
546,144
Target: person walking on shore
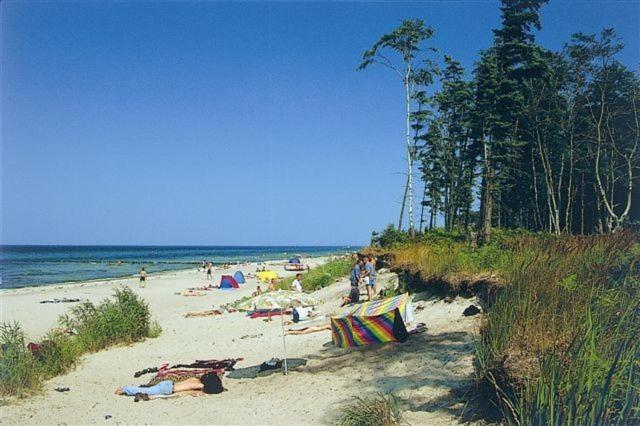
209,274
370,271
143,277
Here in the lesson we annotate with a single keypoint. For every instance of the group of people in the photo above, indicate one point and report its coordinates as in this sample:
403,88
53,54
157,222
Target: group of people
363,273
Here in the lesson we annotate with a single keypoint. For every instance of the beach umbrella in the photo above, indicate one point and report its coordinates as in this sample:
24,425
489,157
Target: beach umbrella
280,299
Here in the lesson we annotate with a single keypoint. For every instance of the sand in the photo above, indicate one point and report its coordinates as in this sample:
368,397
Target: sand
429,373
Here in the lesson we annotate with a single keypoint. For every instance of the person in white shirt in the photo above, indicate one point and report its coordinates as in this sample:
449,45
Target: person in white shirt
296,285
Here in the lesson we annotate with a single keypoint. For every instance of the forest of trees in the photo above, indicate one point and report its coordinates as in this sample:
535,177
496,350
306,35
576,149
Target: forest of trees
536,139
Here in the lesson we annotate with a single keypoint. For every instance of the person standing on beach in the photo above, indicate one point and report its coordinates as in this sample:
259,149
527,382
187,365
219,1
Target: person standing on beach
356,274
209,275
143,277
370,270
296,285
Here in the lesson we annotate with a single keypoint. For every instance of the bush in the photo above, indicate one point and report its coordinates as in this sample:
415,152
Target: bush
323,275
125,319
18,368
381,410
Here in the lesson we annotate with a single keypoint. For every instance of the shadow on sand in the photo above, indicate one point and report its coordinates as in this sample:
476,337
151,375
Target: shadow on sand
429,372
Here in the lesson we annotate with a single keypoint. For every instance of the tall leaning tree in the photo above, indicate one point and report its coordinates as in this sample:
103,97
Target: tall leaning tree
406,43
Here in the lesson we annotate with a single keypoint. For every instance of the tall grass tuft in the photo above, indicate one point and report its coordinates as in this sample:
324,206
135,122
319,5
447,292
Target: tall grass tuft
560,343
88,328
380,410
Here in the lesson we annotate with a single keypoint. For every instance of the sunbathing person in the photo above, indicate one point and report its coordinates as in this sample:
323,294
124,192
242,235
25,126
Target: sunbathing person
309,330
258,292
210,313
207,384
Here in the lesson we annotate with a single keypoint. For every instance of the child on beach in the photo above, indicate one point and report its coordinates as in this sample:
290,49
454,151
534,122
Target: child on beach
296,285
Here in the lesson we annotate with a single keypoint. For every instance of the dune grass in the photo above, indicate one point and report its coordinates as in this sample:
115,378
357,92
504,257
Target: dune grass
322,275
87,328
379,410
559,343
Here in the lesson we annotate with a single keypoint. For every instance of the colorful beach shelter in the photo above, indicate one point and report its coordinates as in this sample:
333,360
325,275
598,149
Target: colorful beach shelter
294,260
380,321
239,277
227,282
377,307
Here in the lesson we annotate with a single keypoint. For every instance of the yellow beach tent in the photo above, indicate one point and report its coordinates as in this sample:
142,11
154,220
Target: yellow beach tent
267,275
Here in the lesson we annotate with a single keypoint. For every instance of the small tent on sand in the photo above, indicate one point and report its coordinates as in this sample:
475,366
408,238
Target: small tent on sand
227,282
239,277
267,275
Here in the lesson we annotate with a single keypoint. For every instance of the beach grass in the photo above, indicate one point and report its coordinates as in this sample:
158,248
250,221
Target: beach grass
123,319
559,342
378,410
322,275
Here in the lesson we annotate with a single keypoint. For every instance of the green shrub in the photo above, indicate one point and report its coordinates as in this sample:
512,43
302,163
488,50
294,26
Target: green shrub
18,368
123,319
323,275
380,410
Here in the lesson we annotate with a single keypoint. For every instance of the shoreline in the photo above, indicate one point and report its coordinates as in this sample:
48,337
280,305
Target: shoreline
109,280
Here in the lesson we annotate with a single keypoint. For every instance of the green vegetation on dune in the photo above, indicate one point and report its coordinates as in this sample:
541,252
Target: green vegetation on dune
559,342
379,410
322,275
87,328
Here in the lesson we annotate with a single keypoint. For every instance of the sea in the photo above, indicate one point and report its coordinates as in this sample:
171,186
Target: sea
24,266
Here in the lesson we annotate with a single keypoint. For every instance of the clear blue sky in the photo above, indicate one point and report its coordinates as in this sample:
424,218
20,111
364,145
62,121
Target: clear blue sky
221,123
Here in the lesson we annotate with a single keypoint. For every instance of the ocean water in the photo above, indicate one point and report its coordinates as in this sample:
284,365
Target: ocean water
22,266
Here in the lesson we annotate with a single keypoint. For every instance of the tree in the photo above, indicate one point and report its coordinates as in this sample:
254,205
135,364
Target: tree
611,133
406,42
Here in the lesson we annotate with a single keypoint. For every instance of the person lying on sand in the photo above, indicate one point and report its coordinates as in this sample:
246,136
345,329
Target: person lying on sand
309,330
210,313
258,292
207,384
191,293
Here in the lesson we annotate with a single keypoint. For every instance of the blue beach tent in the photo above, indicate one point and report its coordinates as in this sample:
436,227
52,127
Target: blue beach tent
294,260
239,277
227,282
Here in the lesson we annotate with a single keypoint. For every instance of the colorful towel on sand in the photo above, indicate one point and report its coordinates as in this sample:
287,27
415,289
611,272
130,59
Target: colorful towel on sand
378,307
351,330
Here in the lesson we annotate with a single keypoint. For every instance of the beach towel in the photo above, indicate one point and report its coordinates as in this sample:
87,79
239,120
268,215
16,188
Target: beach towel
352,330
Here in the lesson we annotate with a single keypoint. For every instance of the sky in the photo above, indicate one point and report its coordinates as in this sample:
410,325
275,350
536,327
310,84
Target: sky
222,123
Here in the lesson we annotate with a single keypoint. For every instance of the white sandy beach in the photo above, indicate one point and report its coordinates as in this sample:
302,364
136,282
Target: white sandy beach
428,372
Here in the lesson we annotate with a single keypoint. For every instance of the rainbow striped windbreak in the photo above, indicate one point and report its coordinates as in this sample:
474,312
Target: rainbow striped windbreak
379,321
378,307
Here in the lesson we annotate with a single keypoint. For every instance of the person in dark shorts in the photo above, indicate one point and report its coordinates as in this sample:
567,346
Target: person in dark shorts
209,268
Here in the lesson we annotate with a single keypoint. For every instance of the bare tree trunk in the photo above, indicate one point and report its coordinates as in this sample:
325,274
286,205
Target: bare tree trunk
409,151
487,201
404,202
